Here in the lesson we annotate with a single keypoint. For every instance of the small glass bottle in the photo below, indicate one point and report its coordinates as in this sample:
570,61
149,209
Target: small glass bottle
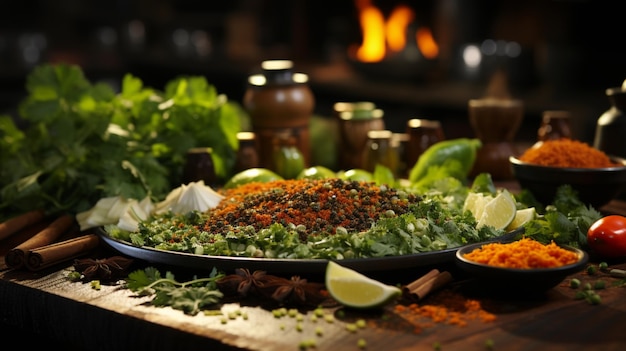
379,150
247,155
423,133
199,166
555,124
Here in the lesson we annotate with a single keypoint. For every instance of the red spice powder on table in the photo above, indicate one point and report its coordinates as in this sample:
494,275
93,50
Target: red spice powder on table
446,307
566,152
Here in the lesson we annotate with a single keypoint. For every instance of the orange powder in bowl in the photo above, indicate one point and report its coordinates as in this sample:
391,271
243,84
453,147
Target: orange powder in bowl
566,152
524,253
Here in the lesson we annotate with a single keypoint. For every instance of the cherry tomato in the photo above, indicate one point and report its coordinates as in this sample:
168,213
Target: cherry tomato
607,236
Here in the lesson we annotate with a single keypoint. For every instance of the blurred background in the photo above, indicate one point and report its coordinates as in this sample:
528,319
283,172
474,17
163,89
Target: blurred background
552,54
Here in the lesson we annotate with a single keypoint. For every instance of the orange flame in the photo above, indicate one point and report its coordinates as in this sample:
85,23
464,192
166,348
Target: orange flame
372,26
380,35
426,43
399,20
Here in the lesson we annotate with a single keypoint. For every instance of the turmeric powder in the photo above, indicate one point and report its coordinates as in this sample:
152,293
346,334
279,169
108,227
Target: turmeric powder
524,253
566,152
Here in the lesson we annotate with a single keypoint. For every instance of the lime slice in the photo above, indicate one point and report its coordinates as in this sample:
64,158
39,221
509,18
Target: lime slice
499,212
475,203
353,289
522,217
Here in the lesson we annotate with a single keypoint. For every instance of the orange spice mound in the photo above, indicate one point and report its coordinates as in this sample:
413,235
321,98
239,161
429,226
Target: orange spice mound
524,253
566,152
447,307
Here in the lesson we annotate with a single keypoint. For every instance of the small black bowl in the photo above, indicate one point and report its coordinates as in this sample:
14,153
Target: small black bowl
517,281
595,186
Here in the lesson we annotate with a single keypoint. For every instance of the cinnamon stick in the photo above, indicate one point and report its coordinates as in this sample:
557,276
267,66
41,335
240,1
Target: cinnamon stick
17,223
16,257
426,284
46,256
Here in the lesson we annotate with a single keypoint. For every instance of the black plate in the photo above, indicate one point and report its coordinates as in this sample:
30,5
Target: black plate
300,266
514,282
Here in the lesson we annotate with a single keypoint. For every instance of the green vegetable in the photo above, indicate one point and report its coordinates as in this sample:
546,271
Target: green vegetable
251,175
288,161
190,297
565,222
78,142
454,157
603,266
383,175
483,183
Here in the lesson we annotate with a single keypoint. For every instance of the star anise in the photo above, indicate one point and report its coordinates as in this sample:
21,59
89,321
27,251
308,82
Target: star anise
298,290
106,269
243,282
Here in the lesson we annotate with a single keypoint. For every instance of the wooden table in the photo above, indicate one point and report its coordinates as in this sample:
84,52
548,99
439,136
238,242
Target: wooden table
45,308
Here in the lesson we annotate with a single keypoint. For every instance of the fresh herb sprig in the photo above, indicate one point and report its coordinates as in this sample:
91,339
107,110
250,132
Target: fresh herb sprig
191,297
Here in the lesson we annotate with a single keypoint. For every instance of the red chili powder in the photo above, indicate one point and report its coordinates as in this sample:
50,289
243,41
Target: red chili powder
566,152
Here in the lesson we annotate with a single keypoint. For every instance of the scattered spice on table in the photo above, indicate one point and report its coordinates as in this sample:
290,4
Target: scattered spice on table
318,205
523,253
446,307
566,152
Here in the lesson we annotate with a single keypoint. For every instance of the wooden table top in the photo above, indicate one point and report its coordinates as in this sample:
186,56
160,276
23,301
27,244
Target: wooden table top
113,318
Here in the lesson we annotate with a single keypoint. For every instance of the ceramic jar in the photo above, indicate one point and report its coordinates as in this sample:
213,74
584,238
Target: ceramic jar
279,101
495,122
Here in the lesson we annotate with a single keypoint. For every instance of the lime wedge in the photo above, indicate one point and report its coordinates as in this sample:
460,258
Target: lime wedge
353,289
522,217
499,212
475,203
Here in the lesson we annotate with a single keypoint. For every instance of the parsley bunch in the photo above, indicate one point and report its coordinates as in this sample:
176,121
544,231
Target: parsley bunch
75,142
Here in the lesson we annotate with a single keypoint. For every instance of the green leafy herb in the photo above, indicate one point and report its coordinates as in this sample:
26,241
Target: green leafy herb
75,142
191,297
566,221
